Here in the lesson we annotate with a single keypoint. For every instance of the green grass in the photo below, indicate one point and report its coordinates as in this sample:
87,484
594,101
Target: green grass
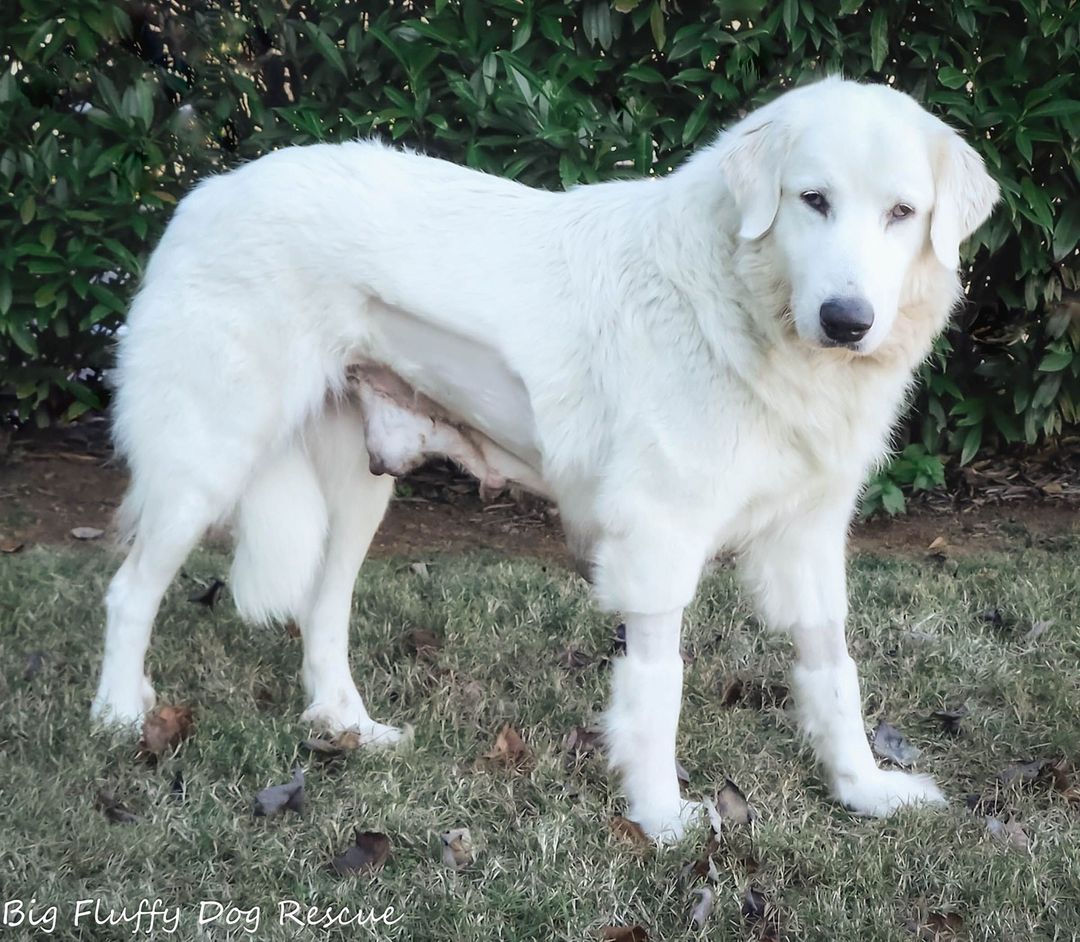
547,866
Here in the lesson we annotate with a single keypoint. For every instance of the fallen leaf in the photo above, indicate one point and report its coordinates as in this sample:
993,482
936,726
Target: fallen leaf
1038,629
277,798
164,729
624,934
422,643
1023,773
749,693
730,806
950,719
1009,832
11,546
292,629
889,743
346,741
573,659
114,810
699,915
209,595
457,848
681,774
35,660
368,853
937,927
510,750
937,544
629,831
580,743
618,640
87,533
986,805
753,905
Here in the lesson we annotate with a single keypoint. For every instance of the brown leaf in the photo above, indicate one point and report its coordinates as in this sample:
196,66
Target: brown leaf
87,533
164,729
1024,773
12,546
277,798
35,660
368,853
580,743
1008,832
699,915
114,810
755,911
457,848
510,750
937,927
624,934
751,693
292,629
573,659
889,743
629,831
950,719
346,741
422,643
731,805
209,595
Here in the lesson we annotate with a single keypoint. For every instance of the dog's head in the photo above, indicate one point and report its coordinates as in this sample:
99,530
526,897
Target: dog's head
849,188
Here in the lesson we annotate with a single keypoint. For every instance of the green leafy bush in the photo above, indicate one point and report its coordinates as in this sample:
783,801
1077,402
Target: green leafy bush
108,112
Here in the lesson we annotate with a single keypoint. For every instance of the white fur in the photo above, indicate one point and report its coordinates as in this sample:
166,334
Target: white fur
649,353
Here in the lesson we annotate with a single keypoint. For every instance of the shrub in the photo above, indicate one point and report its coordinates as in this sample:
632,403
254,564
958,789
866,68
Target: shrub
108,112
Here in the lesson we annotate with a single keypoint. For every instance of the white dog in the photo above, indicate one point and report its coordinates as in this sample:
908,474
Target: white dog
710,360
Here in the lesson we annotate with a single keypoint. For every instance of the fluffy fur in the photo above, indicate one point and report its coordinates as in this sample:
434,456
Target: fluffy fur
648,353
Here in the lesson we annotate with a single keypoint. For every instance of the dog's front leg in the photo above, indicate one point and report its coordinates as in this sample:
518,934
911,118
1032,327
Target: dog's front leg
798,572
642,722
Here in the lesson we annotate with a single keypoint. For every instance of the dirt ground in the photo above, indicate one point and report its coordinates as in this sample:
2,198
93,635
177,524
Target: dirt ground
52,483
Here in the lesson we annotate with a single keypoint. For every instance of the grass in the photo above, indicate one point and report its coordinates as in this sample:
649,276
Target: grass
547,865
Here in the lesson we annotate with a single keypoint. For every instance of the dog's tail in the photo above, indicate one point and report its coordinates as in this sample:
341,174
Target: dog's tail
281,526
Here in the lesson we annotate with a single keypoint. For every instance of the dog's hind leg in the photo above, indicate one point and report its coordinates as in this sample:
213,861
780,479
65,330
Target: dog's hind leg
166,533
356,501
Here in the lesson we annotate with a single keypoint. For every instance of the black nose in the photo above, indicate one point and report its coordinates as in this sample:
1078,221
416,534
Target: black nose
846,320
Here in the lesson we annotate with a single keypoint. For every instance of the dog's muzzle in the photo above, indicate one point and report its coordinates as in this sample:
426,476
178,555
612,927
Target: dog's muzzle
846,321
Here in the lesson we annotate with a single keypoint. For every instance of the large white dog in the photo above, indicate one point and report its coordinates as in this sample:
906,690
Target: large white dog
705,361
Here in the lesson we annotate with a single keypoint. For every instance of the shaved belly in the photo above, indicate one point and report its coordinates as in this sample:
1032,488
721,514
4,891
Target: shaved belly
428,392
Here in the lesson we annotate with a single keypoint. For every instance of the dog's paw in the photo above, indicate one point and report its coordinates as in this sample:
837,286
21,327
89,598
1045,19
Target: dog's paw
887,790
372,735
123,710
669,826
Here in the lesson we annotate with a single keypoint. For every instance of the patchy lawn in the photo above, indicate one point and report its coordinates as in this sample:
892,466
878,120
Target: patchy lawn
547,863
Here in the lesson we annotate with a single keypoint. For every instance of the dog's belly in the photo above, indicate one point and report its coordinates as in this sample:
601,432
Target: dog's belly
427,391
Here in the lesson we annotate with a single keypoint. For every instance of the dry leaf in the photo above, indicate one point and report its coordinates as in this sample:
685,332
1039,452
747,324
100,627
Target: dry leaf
573,659
938,927
629,831
346,741
950,719
699,915
889,743
164,729
422,643
1038,629
730,806
937,544
457,848
750,693
419,569
114,810
510,750
368,853
12,546
87,533
624,934
35,660
209,595
292,629
753,905
1024,773
580,743
279,797
1009,832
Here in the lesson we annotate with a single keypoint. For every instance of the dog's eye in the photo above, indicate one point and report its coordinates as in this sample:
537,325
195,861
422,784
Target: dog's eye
901,211
815,201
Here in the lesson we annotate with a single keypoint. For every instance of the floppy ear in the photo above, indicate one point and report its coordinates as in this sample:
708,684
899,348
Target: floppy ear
751,164
965,195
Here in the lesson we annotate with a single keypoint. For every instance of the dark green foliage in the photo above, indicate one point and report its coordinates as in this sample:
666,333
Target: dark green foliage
546,92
